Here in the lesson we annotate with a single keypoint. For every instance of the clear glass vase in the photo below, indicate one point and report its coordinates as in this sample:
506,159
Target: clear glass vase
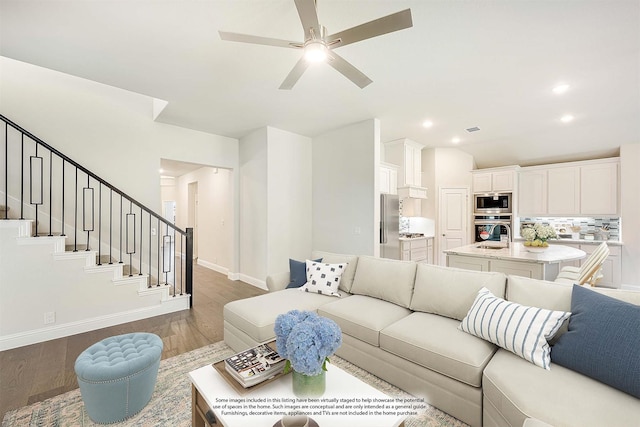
308,385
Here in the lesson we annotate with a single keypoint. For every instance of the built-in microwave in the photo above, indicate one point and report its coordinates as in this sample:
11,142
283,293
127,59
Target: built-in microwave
496,203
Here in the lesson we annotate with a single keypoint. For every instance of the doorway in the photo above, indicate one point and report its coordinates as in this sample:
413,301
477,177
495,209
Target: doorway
453,221
192,214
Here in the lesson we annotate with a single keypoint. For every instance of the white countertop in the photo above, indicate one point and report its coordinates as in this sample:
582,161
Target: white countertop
406,239
517,252
580,241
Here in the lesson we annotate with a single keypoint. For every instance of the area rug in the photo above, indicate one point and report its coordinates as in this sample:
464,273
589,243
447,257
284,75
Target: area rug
170,405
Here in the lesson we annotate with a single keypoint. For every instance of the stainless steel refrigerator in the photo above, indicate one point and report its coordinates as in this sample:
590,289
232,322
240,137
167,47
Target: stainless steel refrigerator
389,226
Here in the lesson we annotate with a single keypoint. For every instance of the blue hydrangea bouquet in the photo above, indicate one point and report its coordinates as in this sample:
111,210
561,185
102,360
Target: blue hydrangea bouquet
306,340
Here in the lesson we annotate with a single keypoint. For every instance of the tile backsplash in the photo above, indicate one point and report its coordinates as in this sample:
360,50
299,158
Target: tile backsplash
416,224
602,228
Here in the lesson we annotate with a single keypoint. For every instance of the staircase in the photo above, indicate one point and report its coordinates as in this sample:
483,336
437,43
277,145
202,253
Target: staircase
76,253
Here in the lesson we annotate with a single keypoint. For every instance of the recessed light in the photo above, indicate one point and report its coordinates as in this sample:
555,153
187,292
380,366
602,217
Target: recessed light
566,118
427,124
561,88
455,140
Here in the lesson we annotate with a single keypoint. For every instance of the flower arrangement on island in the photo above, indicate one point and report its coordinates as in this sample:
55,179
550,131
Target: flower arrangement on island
538,234
306,340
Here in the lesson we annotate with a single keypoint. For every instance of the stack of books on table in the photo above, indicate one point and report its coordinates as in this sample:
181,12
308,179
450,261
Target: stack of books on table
254,365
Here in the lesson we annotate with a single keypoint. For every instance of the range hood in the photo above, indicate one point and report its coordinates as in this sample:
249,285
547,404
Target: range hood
412,192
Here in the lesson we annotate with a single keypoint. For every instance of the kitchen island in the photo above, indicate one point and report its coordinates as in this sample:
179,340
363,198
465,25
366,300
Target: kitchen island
516,259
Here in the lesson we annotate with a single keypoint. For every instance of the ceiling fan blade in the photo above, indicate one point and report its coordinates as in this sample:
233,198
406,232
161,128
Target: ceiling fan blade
308,16
377,27
348,70
295,74
247,38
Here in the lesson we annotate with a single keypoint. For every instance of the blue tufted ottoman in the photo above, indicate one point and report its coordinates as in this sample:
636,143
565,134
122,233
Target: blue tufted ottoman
117,375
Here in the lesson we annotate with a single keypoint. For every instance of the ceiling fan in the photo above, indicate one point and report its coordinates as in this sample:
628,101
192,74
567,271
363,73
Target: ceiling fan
318,46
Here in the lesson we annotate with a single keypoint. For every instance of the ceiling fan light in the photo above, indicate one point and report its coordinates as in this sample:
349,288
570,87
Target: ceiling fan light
315,52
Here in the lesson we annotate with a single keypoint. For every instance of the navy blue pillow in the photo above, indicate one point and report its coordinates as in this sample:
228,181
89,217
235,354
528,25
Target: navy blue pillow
298,272
603,340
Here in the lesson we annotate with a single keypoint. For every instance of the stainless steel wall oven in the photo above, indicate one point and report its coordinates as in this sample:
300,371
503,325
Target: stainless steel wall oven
491,227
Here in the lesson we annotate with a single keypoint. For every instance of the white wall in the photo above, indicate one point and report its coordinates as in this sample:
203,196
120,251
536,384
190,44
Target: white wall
345,189
81,296
253,205
444,167
630,209
108,130
275,205
215,215
289,209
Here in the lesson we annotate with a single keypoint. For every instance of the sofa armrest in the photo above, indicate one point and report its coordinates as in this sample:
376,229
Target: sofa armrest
277,281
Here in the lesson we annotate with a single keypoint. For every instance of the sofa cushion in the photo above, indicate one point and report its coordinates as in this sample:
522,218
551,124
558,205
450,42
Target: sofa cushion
298,272
349,271
560,397
451,291
323,278
256,316
603,340
555,296
436,343
520,329
387,279
349,315
539,293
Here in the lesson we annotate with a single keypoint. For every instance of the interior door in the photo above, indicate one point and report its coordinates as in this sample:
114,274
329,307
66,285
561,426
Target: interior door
454,220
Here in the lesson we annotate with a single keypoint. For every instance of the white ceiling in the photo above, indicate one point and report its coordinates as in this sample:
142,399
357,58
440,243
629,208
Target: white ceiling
486,63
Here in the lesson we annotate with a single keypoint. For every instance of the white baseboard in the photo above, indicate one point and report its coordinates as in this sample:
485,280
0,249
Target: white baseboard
252,281
630,287
20,339
233,276
213,266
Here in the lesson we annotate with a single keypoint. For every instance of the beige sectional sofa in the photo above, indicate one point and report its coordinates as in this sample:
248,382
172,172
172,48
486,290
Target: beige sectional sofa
400,322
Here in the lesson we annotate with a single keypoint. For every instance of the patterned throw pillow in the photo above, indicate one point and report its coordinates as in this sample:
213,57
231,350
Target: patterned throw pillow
520,329
298,273
323,278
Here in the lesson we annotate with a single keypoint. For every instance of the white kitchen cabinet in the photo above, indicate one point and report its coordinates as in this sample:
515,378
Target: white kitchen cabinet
414,249
468,263
482,182
407,155
412,164
429,250
493,182
578,188
534,270
563,191
516,268
532,192
388,179
599,189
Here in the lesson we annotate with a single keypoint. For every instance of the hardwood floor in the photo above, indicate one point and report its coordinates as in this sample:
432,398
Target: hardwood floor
36,372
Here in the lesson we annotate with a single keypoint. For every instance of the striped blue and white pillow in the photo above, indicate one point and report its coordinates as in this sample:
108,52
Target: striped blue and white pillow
520,329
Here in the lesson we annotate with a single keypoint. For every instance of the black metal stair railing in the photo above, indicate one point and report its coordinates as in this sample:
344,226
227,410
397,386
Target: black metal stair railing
59,188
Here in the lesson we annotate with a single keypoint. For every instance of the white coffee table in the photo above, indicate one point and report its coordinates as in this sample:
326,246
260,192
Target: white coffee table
209,387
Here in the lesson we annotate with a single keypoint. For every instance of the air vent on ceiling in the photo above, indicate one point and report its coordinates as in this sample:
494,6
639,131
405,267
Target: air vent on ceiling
473,129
